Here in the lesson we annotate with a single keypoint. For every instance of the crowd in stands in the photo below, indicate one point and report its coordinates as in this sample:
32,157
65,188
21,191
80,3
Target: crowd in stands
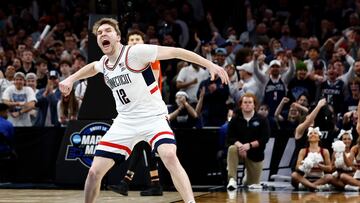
289,55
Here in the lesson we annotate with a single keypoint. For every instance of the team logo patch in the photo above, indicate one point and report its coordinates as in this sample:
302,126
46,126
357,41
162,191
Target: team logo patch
255,123
82,144
122,66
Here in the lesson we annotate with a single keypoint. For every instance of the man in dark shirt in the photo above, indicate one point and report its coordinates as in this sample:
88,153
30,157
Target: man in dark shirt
248,134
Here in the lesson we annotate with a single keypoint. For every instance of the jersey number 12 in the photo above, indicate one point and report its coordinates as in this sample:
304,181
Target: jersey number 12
122,96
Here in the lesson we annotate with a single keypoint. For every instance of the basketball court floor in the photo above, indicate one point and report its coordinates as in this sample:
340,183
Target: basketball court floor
277,195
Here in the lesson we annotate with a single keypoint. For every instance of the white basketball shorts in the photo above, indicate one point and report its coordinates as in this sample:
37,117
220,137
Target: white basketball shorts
125,133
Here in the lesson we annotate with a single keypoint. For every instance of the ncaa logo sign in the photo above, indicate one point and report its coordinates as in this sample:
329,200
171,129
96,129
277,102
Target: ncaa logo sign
82,144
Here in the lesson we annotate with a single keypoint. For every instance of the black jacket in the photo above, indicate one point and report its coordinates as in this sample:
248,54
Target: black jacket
257,128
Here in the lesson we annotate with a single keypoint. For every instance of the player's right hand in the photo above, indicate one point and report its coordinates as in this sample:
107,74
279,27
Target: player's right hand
65,87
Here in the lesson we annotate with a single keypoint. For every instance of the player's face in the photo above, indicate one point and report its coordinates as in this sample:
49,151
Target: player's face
107,39
135,39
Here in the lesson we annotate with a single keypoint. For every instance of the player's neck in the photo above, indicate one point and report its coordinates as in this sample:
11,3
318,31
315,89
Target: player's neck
113,57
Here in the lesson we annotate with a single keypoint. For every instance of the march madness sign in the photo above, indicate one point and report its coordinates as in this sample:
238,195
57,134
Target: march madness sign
83,144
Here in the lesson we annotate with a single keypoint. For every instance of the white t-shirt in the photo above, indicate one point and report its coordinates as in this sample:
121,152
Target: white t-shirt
189,73
26,94
4,83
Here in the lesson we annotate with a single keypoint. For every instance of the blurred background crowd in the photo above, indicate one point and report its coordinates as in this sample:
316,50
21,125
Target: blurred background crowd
290,55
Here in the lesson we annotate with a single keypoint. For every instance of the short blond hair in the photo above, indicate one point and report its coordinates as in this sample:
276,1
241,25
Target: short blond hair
110,21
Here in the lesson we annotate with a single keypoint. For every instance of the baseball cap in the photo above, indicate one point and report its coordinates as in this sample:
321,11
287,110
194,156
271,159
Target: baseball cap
275,62
19,74
30,76
221,51
246,67
53,74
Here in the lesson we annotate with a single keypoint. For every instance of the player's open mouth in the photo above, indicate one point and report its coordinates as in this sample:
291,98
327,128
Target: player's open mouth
105,43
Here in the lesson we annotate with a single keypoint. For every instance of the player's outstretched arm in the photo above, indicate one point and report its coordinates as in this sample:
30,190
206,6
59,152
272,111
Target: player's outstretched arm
85,72
180,53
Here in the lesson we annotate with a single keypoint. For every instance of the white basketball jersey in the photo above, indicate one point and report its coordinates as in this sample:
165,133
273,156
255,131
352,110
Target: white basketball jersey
135,91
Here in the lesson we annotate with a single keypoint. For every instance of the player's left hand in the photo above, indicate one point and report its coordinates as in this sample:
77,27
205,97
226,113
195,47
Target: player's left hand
217,70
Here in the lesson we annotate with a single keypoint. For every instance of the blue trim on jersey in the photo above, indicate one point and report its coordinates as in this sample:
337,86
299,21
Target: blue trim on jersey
163,141
110,155
148,76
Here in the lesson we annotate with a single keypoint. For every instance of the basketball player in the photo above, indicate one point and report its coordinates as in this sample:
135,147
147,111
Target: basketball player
141,110
142,148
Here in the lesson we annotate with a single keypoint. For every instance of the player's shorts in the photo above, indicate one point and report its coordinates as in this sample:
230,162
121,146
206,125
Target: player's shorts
125,133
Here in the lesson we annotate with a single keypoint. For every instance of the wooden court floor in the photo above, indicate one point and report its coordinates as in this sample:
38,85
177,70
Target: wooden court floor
76,196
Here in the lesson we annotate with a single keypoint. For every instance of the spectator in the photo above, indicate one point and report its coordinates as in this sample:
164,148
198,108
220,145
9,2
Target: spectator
286,40
172,85
293,115
247,83
220,56
64,69
233,76
21,100
333,90
27,62
67,108
59,48
8,80
48,99
41,73
263,110
350,103
203,48
301,84
214,108
31,81
79,62
50,57
184,115
17,63
314,62
248,133
274,84
274,48
286,123
302,103
189,79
